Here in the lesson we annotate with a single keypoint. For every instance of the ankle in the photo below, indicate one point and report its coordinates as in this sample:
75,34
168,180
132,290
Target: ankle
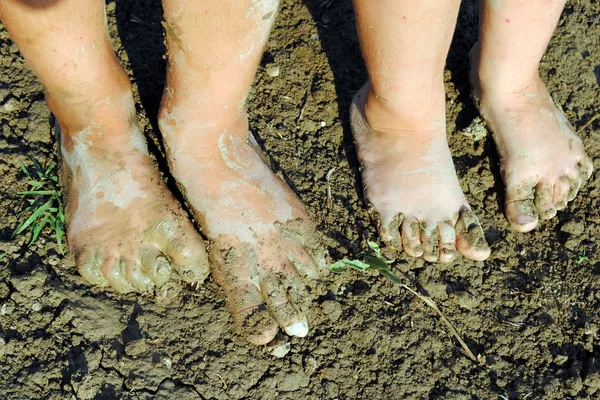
425,111
205,114
491,78
109,109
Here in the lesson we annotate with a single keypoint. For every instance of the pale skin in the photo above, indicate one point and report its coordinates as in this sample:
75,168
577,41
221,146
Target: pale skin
398,121
128,232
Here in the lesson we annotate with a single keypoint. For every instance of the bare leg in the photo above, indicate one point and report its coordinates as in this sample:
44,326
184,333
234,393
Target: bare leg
124,227
399,126
543,162
263,241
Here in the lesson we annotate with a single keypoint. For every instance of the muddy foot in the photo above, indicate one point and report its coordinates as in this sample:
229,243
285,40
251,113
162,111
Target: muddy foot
542,161
264,248
124,227
410,180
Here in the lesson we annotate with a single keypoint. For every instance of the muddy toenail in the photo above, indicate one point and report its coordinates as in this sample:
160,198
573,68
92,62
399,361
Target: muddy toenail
298,329
525,219
163,266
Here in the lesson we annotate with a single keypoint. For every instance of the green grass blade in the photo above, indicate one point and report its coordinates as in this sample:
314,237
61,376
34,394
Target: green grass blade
37,229
50,168
341,265
38,192
38,167
3,254
58,230
33,217
25,171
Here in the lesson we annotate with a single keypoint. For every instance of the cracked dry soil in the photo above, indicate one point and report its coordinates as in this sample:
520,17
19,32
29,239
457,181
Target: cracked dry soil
531,310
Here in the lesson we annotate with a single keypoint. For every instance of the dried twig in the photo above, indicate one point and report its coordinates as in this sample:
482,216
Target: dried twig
595,117
329,197
377,263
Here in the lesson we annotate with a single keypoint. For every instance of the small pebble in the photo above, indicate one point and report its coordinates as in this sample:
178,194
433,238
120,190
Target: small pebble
573,227
281,349
10,106
36,306
167,362
7,308
273,70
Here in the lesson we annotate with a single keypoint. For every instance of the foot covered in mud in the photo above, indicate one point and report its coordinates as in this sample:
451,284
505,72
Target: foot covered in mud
265,251
124,227
410,181
542,161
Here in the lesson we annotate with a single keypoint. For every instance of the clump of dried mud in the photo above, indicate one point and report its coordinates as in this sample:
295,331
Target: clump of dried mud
531,310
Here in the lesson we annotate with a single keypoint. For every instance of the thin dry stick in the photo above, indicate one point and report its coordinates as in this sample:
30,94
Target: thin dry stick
589,122
391,276
329,197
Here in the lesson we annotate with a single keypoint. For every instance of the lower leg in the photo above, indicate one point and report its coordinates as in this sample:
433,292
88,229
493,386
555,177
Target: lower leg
543,163
399,125
123,226
262,238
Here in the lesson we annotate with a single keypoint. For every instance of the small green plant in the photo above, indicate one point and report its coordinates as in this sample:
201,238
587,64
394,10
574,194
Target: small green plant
582,257
44,206
378,264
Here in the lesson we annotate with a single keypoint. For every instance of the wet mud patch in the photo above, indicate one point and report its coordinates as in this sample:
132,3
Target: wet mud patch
531,310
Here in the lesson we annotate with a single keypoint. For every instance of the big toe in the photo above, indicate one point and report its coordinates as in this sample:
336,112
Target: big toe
251,316
89,264
520,208
185,249
470,239
285,299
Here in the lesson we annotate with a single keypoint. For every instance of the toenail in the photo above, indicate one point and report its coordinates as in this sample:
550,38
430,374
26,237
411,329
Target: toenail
162,264
525,219
299,329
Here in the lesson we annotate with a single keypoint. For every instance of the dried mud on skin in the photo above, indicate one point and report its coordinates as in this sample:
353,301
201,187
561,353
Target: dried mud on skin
532,309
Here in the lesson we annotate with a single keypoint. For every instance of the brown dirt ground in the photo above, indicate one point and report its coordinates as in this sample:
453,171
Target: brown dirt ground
531,310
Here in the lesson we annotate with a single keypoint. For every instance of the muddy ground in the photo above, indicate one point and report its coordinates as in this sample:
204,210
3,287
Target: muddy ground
530,311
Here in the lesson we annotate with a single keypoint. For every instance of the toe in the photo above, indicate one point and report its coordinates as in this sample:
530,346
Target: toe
561,190
115,271
411,237
431,242
251,316
156,266
89,265
544,193
470,239
275,291
304,263
235,270
187,252
575,183
447,242
520,209
137,278
390,233
586,167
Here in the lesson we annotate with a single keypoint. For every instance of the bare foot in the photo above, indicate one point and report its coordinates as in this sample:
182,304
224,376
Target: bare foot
409,178
264,247
542,161
124,227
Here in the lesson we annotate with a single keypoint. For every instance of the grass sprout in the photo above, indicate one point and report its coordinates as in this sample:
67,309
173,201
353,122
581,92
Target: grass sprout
44,207
378,264
582,257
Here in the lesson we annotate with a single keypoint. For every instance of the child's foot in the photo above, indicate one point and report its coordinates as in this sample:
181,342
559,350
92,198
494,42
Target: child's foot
409,178
264,247
542,161
124,227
